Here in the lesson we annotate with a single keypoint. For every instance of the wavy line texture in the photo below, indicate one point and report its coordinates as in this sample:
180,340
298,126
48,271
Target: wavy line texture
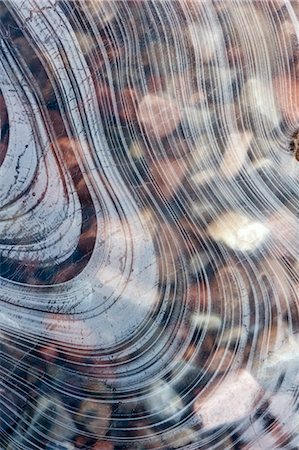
149,224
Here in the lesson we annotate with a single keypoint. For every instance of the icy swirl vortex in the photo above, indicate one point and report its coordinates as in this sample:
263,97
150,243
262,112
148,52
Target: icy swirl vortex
148,215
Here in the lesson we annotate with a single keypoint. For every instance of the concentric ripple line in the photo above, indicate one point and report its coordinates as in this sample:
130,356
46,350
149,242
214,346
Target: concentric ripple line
32,181
125,234
149,223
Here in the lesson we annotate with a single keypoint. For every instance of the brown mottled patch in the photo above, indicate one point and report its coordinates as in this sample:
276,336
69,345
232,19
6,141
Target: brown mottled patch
294,145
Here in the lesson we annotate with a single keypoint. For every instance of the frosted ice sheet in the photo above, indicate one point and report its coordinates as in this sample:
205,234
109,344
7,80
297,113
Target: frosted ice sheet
149,224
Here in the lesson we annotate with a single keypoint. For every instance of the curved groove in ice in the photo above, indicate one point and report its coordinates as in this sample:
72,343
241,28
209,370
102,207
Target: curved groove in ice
148,220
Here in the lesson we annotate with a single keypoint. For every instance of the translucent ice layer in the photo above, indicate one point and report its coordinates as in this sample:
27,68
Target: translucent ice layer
149,224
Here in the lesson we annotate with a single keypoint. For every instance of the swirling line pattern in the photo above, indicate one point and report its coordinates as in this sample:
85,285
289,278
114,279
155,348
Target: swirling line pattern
149,229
